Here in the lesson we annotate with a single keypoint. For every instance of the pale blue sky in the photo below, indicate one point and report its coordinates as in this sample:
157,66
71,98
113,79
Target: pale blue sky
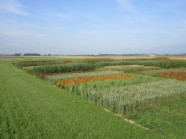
93,26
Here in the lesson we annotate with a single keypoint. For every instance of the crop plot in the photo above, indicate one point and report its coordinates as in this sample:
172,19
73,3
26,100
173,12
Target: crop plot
69,83
54,78
174,75
127,99
64,68
131,68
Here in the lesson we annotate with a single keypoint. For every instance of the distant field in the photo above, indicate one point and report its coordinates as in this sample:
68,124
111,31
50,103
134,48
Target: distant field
177,57
129,88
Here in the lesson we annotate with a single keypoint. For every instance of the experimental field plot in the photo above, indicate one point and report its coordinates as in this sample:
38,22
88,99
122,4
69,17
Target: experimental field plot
121,86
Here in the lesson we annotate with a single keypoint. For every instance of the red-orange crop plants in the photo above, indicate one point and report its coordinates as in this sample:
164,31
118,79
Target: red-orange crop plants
175,75
65,83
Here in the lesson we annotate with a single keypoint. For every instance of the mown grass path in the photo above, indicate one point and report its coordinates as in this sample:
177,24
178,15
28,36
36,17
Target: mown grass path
33,108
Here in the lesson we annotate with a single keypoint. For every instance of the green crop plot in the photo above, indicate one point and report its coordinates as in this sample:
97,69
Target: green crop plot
131,98
63,68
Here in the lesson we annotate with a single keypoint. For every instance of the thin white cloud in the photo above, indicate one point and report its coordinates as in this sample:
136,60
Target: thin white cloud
127,5
58,16
14,45
137,16
12,6
62,16
7,24
91,32
2,34
183,22
22,33
134,31
57,28
25,25
183,26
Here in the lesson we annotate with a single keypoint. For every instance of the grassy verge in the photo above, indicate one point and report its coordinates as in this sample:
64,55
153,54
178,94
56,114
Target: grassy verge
168,120
32,108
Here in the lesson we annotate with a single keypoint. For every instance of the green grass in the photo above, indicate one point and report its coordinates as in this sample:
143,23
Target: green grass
168,120
32,108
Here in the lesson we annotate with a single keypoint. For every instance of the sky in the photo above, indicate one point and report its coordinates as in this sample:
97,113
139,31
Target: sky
93,26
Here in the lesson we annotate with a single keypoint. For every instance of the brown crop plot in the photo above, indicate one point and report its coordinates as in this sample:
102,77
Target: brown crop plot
175,75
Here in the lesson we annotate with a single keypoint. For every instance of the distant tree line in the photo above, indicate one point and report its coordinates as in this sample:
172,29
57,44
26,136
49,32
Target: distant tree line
27,54
121,54
32,54
37,54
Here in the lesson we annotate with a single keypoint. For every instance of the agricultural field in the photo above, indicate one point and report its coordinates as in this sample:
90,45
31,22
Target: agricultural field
78,95
54,78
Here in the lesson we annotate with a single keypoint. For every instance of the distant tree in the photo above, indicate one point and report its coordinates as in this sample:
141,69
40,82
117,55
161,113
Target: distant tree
32,54
17,54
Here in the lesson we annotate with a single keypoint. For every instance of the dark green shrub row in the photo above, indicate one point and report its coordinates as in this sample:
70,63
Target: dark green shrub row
63,68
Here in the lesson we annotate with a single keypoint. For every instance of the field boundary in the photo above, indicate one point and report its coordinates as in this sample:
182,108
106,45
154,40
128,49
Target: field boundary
129,121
